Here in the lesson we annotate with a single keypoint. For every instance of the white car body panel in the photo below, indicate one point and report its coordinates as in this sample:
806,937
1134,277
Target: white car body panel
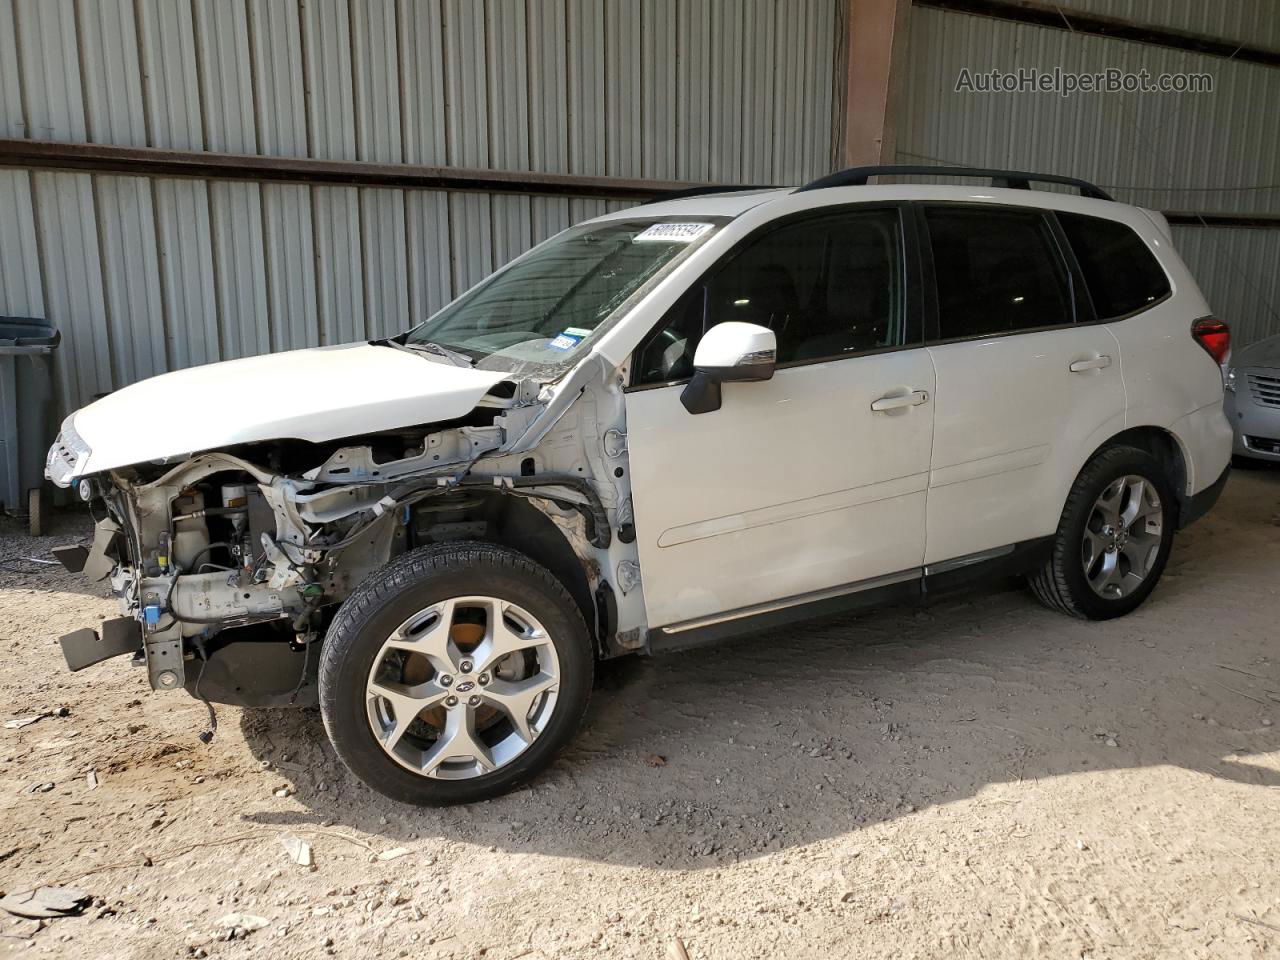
1011,424
1166,382
321,393
793,486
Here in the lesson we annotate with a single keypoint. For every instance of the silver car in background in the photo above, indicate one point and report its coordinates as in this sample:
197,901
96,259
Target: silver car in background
1253,400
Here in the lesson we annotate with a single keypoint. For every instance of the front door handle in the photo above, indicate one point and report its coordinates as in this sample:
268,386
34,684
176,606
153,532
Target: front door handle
898,401
1095,363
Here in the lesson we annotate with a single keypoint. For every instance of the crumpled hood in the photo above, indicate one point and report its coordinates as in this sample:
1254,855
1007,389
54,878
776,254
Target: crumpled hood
321,393
1264,353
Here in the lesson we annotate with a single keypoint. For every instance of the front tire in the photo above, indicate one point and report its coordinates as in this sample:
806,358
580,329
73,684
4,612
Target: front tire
1113,540
454,673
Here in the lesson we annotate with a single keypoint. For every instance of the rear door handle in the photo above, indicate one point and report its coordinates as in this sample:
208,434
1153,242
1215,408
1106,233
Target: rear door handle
1095,363
897,402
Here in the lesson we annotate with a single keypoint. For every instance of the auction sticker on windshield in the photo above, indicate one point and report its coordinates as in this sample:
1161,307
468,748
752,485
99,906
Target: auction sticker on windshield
672,233
569,338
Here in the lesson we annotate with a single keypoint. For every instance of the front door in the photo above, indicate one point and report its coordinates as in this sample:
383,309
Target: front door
814,480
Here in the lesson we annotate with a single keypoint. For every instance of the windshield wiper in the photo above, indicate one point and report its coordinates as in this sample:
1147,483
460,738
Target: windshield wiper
453,356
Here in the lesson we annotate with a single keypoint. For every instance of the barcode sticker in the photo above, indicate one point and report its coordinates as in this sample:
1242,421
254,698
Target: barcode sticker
672,233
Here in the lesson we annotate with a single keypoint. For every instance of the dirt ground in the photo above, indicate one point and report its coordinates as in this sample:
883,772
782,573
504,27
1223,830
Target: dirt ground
981,778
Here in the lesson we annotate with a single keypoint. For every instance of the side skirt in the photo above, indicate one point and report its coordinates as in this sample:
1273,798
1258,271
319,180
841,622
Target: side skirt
914,585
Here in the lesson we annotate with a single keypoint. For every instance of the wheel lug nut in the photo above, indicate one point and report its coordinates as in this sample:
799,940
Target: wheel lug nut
474,701
465,666
483,679
446,680
450,701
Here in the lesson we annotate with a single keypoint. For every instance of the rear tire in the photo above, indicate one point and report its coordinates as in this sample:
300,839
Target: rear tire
1113,539
459,721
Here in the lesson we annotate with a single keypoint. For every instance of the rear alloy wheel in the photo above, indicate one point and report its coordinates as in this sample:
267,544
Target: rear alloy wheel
454,673
1113,539
1122,537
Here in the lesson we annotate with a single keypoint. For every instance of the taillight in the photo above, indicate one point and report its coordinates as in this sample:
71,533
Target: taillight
1215,336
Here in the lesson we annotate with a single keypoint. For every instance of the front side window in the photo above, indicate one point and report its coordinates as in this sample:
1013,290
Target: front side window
1122,275
997,271
541,313
827,287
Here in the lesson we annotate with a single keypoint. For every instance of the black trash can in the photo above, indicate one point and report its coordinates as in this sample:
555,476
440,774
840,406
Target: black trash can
27,419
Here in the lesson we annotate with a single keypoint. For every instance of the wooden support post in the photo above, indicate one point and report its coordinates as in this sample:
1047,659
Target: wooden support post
877,31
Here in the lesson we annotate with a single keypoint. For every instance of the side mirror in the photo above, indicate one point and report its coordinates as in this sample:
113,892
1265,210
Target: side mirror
729,351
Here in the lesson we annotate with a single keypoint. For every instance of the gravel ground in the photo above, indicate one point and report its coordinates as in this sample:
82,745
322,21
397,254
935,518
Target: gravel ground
980,778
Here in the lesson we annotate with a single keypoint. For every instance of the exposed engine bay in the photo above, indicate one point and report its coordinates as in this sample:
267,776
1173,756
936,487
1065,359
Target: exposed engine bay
229,565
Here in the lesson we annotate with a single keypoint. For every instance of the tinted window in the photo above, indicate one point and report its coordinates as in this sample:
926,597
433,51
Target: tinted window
826,288
997,271
1121,273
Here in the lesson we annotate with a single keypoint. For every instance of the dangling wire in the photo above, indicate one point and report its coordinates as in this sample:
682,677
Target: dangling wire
206,736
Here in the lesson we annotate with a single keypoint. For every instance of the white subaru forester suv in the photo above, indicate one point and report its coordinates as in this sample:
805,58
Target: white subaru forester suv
667,425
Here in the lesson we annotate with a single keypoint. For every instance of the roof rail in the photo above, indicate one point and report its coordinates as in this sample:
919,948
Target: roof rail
1015,179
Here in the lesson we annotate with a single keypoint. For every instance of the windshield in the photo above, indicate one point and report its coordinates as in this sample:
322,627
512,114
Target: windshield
542,312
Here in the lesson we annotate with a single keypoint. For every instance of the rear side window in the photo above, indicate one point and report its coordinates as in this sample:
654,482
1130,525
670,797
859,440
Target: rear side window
997,271
1123,276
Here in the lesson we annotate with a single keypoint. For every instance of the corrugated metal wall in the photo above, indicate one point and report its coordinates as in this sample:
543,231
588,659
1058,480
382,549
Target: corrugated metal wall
1245,21
1217,152
146,275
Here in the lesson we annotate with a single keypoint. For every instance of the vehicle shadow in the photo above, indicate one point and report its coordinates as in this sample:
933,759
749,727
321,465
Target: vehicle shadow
693,759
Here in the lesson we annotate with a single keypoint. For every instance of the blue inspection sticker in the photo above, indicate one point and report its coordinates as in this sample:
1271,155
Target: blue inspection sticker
565,341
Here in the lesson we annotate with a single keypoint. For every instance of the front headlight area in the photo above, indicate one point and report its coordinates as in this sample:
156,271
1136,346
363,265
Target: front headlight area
67,456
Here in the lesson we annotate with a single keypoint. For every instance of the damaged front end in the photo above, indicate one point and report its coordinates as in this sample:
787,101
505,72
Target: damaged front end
228,566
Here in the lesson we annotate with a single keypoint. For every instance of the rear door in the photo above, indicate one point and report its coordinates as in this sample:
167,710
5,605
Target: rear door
1027,383
796,484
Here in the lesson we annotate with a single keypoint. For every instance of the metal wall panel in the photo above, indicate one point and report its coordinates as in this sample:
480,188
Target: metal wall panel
339,265
1203,151
326,38
50,69
508,135
275,38
240,275
186,271
112,73
226,76
377,80
1245,21
131,276
147,275
385,257
421,51
12,123
170,83
430,270
292,306
20,293
67,238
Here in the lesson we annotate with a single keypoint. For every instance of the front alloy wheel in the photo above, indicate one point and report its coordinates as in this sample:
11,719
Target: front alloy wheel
454,673
463,687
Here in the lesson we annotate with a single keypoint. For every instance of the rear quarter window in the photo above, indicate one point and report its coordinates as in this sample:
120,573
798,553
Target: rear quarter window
1122,274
